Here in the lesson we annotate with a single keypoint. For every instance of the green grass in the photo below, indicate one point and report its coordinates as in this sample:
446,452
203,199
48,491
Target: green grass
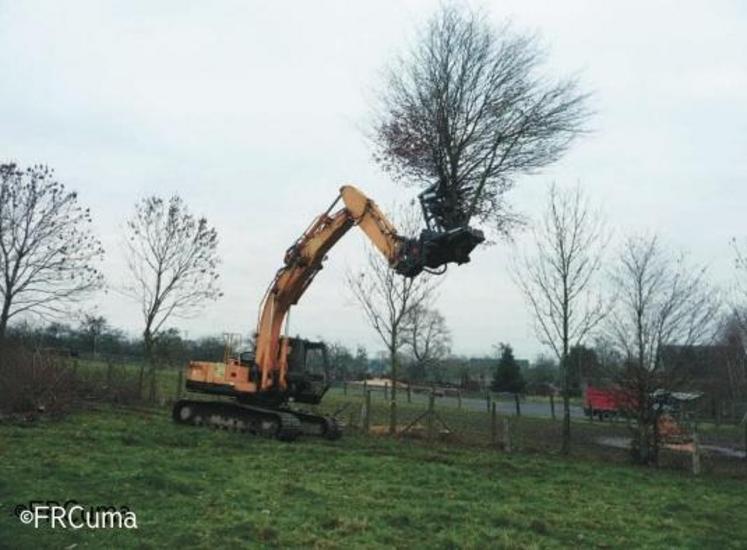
199,488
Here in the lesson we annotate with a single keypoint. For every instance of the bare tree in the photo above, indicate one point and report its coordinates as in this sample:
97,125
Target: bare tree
734,327
739,298
731,341
48,254
558,278
387,298
427,337
92,327
173,260
467,110
661,301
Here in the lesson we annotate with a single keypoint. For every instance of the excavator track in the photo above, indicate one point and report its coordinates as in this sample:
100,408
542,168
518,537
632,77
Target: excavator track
281,424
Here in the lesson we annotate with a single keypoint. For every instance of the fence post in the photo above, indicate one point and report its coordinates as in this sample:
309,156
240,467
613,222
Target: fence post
493,426
696,453
552,406
393,417
507,435
431,423
487,400
367,416
409,395
365,386
518,406
459,399
386,390
179,384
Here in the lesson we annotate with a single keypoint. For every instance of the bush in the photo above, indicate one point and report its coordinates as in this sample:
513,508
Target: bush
34,382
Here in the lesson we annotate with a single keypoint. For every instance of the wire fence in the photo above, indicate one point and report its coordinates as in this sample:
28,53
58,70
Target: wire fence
489,421
507,424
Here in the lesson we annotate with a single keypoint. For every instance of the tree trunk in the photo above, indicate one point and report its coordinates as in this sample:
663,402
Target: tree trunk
393,365
565,447
656,439
148,343
4,315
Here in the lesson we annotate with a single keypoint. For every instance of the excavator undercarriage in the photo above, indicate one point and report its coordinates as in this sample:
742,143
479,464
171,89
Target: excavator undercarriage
267,413
283,424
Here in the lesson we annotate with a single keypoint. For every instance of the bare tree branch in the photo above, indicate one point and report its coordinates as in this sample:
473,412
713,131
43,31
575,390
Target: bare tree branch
48,254
387,298
466,111
427,337
662,301
558,279
173,260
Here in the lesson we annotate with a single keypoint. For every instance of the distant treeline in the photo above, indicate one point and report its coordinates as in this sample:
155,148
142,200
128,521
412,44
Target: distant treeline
109,342
94,337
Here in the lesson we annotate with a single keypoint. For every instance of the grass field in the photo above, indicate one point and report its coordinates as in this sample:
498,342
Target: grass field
200,488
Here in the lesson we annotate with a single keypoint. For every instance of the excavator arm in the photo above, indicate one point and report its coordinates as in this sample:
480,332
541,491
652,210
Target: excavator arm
303,260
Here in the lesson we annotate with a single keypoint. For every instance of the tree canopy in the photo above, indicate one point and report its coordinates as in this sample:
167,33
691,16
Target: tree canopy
507,377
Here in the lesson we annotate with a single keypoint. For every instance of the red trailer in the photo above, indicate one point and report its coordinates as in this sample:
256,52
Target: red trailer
604,402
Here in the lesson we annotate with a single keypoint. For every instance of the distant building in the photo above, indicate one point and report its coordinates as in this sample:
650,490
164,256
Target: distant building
717,370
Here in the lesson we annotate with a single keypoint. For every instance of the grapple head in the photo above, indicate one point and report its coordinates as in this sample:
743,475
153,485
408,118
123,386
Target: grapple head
434,249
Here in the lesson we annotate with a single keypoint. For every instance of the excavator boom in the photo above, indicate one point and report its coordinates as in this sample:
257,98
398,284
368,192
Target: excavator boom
303,260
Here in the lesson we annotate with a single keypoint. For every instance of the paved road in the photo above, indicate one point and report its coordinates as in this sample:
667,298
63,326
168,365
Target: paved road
503,405
507,406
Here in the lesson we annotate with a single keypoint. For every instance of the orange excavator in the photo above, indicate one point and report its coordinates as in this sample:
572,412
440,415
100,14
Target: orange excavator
281,369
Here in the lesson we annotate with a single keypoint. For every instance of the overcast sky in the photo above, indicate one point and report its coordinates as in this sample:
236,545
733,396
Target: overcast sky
255,113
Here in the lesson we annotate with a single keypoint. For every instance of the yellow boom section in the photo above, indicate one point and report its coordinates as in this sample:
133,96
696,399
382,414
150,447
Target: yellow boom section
303,261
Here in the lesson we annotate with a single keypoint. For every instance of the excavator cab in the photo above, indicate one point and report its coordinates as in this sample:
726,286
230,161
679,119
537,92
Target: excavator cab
308,370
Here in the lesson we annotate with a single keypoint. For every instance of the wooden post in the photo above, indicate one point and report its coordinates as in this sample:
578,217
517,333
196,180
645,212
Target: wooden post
487,400
696,453
506,435
493,426
518,405
365,386
431,420
552,406
351,419
459,399
409,394
179,384
386,390
367,416
393,417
